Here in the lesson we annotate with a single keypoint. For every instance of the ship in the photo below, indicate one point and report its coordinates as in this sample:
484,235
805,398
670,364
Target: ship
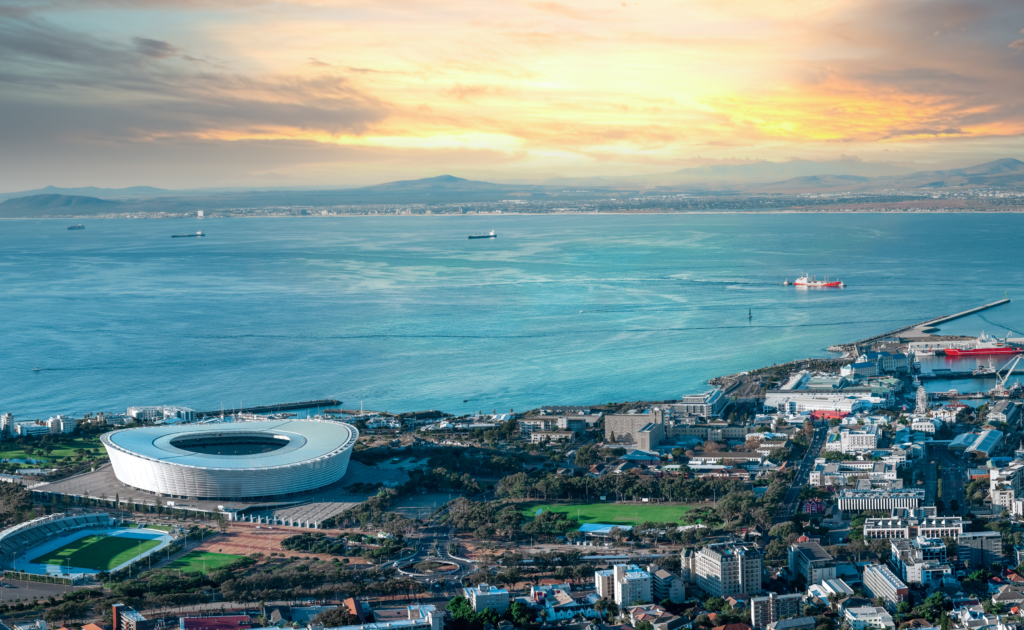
76,227
199,233
986,345
489,235
989,370
812,281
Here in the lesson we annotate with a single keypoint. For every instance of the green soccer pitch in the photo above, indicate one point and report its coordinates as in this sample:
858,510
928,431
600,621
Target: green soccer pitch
610,513
194,561
100,553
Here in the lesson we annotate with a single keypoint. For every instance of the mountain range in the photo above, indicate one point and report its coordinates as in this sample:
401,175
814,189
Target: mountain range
757,178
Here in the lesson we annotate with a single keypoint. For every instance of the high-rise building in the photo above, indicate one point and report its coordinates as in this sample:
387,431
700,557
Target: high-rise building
632,584
980,549
487,596
811,561
725,569
773,607
666,585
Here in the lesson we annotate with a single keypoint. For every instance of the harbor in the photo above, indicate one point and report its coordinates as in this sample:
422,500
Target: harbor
306,404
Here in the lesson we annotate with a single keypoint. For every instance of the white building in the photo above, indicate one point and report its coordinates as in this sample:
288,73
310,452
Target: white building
772,608
488,596
61,424
880,582
799,401
887,361
6,424
666,585
868,617
877,499
826,473
910,523
31,429
920,560
725,569
631,584
925,425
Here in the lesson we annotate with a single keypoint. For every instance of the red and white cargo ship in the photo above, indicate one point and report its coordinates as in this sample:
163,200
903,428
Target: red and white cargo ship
986,345
812,281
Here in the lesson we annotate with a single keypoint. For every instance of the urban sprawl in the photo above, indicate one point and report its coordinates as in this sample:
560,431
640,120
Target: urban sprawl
824,494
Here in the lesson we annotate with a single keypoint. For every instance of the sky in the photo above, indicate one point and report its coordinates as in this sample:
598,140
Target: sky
201,93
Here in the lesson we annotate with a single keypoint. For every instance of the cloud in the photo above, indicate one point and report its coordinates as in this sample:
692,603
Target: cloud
154,47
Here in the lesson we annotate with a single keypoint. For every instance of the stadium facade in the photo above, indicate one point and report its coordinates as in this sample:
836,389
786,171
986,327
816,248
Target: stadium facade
237,461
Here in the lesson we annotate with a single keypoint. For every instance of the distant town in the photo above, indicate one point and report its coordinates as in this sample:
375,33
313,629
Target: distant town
822,494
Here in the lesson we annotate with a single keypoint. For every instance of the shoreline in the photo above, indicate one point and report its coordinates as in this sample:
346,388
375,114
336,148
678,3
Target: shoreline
348,215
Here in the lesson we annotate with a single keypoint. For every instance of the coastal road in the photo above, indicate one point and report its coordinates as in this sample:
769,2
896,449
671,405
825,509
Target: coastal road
789,504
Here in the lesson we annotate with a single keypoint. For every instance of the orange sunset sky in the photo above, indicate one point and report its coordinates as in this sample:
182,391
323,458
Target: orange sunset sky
190,93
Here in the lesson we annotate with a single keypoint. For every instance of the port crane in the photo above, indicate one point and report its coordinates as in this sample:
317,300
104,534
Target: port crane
1000,388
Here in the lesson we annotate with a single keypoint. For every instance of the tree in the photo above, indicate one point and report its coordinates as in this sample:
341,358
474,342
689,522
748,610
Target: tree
644,625
903,608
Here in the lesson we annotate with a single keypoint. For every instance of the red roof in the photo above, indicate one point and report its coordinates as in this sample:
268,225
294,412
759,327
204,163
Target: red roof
224,622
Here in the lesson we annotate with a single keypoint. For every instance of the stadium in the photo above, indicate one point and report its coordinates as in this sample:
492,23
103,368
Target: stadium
240,461
71,547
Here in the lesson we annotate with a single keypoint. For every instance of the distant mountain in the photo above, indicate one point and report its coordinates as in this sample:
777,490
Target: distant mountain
764,172
40,203
132,191
812,182
441,182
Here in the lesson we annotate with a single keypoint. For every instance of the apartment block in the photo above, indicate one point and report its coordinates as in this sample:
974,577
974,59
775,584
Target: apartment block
725,569
487,596
666,585
632,584
773,607
880,582
980,549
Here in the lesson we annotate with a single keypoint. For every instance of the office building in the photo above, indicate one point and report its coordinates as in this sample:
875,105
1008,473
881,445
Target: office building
725,569
773,607
920,560
911,523
811,561
705,405
880,582
877,499
826,473
980,549
488,596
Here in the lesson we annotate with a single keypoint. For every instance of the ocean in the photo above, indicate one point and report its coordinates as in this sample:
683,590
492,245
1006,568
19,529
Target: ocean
407,314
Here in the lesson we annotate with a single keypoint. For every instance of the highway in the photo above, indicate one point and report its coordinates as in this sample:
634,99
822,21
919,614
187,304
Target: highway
789,504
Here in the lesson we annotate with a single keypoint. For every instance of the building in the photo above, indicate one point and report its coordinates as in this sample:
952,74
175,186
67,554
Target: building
31,429
688,566
604,583
772,608
861,369
887,361
657,616
800,401
1006,485
865,617
980,549
538,437
631,584
61,424
877,499
910,523
666,585
725,569
529,425
737,458
796,623
880,582
858,440
920,560
812,562
577,425
1004,411
982,444
924,425
486,596
705,405
826,473
6,424
273,458
559,605
412,617
126,618
625,427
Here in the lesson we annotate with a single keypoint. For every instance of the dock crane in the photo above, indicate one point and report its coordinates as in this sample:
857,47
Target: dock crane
1001,378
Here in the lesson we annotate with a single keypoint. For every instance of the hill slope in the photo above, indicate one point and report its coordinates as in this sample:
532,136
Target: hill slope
55,205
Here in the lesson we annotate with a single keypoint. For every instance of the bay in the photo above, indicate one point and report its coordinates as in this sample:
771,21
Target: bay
406,313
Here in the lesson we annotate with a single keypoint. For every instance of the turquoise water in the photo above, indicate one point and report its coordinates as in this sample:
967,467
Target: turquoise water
405,313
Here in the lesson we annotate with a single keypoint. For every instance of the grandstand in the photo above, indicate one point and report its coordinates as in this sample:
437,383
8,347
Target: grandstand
30,534
305,515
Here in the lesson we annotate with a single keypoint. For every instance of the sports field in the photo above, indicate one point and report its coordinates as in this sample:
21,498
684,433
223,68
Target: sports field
100,553
194,561
611,513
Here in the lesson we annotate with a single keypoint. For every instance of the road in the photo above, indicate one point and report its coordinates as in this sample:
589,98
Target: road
439,536
790,503
954,480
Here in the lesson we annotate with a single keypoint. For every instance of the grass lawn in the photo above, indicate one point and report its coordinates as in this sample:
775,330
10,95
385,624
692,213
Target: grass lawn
162,528
66,448
194,561
611,513
96,552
